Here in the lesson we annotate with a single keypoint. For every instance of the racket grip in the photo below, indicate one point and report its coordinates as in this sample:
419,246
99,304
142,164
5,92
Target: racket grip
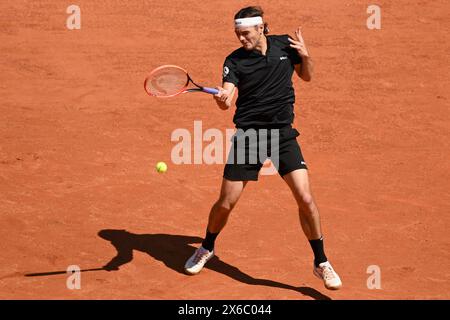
210,90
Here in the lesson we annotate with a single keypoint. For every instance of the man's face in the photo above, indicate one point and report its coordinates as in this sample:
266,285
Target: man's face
249,36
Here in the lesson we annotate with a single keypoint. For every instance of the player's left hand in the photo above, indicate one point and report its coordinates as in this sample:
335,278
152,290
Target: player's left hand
298,43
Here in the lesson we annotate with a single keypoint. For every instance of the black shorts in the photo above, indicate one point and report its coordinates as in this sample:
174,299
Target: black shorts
280,146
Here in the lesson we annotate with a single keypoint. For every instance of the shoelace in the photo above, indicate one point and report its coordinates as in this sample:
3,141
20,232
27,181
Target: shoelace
199,256
328,273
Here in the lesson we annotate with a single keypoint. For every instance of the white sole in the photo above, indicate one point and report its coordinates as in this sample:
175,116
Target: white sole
191,273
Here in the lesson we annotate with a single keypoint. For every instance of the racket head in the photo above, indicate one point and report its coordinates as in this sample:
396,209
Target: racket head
166,81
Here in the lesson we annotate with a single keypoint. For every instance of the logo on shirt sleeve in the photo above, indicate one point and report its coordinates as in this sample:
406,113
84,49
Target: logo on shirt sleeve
226,71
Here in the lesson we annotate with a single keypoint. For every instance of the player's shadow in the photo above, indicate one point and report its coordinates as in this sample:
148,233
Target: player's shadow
173,250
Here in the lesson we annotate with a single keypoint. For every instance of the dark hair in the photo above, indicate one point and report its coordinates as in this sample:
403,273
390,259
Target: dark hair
255,11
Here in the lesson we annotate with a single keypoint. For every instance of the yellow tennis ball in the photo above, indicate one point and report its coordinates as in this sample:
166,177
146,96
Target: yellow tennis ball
161,167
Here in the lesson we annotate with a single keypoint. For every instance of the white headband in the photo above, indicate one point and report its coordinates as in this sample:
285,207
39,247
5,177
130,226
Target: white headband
248,22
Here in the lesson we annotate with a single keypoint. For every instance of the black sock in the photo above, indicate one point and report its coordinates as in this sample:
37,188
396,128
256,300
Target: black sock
319,254
210,238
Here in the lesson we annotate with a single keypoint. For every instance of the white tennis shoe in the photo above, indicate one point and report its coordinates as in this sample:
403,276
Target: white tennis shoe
197,261
326,273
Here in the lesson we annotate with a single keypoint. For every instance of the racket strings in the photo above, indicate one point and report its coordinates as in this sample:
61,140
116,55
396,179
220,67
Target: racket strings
166,81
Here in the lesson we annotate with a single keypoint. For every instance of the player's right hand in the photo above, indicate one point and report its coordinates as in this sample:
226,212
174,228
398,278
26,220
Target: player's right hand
223,94
222,97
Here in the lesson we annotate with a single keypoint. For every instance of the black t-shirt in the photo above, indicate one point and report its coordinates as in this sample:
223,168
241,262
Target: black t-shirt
266,95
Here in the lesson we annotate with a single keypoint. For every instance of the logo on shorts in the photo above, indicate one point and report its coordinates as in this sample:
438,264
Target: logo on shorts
226,70
283,58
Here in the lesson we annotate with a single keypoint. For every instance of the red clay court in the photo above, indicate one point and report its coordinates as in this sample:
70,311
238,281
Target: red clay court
79,140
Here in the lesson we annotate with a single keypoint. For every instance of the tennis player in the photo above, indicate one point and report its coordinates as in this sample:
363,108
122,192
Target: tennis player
261,70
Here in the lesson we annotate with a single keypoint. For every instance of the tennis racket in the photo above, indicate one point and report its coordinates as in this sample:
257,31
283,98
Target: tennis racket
169,81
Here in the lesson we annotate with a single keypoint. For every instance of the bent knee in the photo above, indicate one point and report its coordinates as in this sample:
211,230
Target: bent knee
226,203
305,199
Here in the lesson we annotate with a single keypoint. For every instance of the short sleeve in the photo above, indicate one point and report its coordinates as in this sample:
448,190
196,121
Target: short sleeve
230,73
294,56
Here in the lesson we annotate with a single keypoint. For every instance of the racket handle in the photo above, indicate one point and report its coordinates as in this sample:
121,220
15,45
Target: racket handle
210,90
